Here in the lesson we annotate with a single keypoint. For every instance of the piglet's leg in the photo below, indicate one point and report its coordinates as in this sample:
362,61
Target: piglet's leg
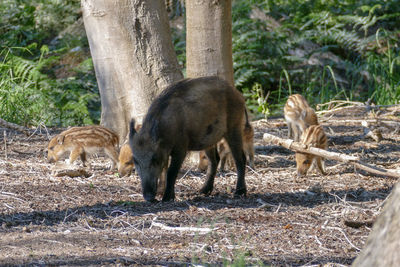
112,153
321,165
213,159
75,153
176,163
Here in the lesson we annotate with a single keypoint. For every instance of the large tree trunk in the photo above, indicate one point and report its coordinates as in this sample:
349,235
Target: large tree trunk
383,244
209,39
133,55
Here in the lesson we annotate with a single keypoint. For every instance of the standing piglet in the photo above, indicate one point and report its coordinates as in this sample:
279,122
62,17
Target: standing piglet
248,147
193,114
312,136
125,157
125,160
225,153
299,115
78,141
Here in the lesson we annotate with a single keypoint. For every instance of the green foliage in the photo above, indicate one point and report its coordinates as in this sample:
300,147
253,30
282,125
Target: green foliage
24,22
324,49
28,96
36,85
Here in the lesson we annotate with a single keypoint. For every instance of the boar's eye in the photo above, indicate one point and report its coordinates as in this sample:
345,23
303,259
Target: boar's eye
307,161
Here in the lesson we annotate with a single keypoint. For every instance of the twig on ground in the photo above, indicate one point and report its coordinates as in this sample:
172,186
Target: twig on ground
358,224
11,195
5,145
190,229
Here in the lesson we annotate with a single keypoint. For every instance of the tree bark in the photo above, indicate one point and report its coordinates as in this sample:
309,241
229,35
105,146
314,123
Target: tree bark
383,244
133,56
209,38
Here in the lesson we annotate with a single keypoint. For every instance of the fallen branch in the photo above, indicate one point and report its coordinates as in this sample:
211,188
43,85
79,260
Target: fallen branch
190,229
14,126
298,147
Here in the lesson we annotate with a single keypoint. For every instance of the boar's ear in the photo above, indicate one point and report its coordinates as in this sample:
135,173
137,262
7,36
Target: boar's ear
132,128
132,131
60,139
138,126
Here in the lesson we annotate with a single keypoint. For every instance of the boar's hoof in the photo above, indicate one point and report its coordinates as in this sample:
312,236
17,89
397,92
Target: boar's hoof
149,198
206,190
240,192
168,197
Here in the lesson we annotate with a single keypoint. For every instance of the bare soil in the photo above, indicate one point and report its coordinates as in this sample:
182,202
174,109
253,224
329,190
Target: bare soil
284,220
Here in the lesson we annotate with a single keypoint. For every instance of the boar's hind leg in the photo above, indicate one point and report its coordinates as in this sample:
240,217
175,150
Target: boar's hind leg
172,173
235,144
213,159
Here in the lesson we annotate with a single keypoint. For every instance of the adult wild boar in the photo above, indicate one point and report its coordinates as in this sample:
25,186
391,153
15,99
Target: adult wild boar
192,114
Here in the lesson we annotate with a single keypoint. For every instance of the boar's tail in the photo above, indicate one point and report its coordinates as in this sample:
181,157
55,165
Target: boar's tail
132,130
247,124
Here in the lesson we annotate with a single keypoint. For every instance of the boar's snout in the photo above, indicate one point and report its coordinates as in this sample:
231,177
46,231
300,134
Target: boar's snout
51,160
149,190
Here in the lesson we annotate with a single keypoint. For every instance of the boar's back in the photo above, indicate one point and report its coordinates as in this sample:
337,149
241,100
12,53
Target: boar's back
197,111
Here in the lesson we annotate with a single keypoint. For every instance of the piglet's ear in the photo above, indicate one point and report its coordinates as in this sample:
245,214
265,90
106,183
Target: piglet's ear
60,139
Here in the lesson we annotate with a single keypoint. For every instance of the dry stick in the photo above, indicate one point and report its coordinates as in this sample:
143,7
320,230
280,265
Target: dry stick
298,147
5,145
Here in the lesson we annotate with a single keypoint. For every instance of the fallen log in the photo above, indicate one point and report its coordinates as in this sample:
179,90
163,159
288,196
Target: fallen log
298,147
14,126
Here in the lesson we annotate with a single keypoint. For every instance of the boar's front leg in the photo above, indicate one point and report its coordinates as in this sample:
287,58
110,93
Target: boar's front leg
213,160
177,159
234,139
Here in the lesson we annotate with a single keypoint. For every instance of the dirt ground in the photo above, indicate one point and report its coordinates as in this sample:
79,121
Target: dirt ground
284,221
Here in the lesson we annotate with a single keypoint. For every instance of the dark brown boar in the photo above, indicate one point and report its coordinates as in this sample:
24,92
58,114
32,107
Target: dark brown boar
193,114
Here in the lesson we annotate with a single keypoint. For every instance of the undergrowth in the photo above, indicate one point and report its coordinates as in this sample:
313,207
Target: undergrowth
323,49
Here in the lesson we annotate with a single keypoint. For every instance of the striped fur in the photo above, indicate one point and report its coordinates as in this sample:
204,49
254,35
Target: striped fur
299,115
125,160
125,157
79,141
316,137
225,153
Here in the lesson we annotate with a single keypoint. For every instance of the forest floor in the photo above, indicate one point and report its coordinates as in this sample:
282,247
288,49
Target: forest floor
284,220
